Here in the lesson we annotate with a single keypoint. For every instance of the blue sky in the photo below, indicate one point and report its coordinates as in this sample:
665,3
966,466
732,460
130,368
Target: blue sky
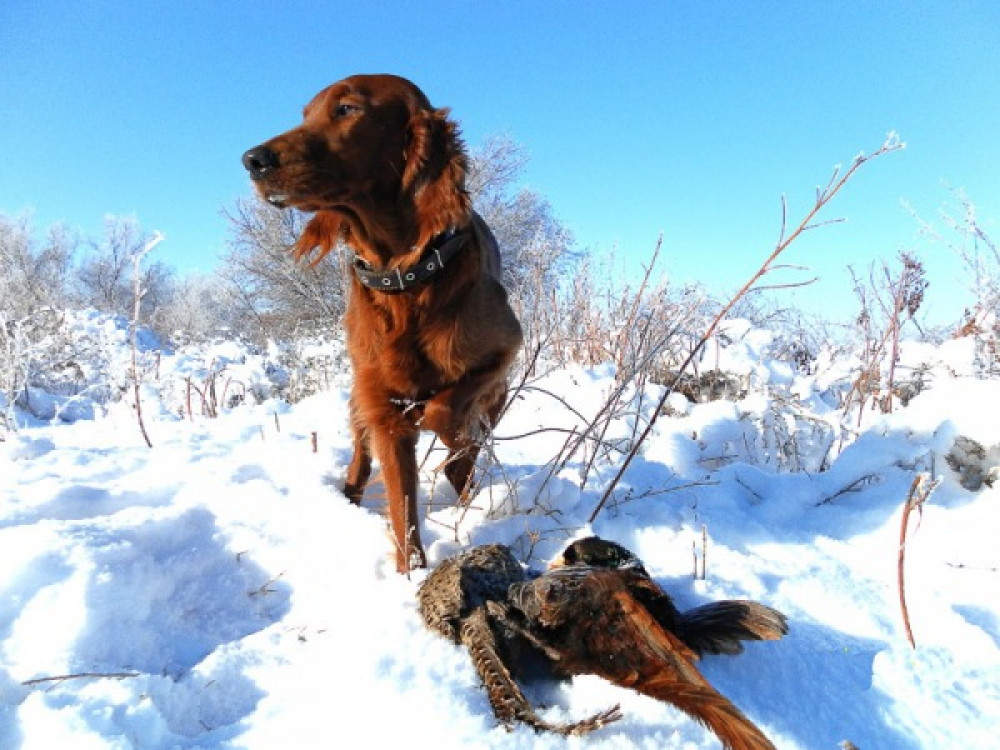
686,118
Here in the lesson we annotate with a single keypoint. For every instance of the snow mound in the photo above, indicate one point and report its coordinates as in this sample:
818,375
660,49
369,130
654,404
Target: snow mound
218,590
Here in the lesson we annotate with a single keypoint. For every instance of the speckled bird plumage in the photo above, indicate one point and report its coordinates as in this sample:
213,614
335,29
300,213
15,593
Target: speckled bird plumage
453,602
464,582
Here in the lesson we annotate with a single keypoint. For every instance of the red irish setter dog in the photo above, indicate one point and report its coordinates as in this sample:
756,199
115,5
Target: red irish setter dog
430,333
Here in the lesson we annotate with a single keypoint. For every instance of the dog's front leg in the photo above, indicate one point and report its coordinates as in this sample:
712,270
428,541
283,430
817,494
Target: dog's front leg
461,415
395,447
360,467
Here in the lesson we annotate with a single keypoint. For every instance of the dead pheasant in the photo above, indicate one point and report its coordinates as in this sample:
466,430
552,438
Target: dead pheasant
598,612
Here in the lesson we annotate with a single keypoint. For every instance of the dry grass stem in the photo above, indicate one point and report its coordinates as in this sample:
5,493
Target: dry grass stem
920,491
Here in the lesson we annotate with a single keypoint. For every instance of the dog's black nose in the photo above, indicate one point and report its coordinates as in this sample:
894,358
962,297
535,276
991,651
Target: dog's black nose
259,161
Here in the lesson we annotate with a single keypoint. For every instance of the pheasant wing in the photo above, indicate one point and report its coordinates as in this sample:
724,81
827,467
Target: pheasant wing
592,619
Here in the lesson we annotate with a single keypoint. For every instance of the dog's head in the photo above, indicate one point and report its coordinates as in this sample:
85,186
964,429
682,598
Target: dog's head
371,153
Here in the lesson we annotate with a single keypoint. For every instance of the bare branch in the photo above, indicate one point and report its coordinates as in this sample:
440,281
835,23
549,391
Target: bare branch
138,293
837,182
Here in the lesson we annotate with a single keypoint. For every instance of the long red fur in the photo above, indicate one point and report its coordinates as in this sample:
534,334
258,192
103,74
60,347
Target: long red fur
384,173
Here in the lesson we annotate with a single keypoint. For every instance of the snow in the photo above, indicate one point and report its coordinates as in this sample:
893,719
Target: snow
241,602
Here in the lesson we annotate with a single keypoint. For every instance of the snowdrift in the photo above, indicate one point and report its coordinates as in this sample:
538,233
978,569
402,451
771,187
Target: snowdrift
218,590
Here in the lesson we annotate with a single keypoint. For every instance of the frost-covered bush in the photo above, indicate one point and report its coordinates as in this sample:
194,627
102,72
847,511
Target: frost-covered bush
313,361
61,364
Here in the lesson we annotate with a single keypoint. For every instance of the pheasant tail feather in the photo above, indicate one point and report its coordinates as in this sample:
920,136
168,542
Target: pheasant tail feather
715,711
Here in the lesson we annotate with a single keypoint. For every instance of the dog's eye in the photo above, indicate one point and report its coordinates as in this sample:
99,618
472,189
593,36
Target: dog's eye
345,110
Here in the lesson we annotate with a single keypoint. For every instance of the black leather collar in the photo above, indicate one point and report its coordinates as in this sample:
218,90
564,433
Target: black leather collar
440,250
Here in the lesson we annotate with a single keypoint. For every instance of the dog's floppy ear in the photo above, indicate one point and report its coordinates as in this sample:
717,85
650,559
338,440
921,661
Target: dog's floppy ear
324,230
435,171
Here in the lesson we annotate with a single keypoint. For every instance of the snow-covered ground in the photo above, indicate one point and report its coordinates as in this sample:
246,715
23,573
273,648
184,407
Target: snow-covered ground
218,590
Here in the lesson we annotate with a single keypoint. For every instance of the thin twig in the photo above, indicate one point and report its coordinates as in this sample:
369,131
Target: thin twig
977,568
81,676
787,285
265,588
855,486
556,462
630,320
704,550
920,490
138,293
